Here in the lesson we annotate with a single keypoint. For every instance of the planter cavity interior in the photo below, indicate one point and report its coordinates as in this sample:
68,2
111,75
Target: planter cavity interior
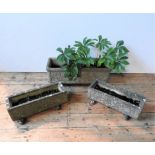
86,75
23,105
129,103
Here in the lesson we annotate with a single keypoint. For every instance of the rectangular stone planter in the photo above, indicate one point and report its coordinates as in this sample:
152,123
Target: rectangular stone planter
87,75
129,103
25,104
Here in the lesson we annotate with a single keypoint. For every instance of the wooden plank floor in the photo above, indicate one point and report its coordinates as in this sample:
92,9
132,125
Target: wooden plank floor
77,121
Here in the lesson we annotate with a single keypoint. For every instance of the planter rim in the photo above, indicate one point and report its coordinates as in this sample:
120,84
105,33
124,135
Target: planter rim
38,99
48,68
125,92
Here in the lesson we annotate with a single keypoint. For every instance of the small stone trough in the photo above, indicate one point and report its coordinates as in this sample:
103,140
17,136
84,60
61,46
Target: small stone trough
129,103
23,105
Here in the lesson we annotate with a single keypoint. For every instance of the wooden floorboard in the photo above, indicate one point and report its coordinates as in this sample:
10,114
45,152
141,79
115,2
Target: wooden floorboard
77,121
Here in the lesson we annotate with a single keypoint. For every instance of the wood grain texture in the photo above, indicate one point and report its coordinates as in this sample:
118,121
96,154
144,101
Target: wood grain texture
77,121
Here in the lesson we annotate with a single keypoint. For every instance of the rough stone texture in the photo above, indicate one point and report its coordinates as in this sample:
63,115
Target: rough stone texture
87,75
24,110
114,102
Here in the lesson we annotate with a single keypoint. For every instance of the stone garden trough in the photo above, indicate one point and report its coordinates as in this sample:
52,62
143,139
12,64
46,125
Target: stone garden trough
129,103
25,104
85,77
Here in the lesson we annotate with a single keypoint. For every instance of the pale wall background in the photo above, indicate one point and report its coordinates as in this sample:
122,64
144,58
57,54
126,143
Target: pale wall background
27,40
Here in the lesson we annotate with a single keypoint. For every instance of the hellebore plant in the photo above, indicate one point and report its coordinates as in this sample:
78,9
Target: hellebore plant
72,59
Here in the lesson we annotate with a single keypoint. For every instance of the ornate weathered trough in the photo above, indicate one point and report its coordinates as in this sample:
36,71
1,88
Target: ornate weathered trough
25,104
86,76
129,103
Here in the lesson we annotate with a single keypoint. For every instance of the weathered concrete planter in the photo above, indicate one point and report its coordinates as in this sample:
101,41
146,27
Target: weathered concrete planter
23,105
129,103
87,75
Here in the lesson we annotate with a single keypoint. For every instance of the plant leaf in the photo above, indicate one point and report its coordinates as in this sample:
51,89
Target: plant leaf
119,43
61,58
100,62
100,38
124,62
60,50
123,58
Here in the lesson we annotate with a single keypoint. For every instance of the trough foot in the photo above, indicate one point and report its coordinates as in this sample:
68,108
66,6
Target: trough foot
127,117
92,102
59,107
22,121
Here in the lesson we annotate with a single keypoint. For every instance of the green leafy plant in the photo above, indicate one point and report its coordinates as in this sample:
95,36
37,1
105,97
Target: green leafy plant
120,59
102,44
78,56
68,59
83,51
115,58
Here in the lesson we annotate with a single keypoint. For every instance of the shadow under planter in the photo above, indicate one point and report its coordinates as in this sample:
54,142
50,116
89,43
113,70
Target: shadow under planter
23,105
86,76
129,103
